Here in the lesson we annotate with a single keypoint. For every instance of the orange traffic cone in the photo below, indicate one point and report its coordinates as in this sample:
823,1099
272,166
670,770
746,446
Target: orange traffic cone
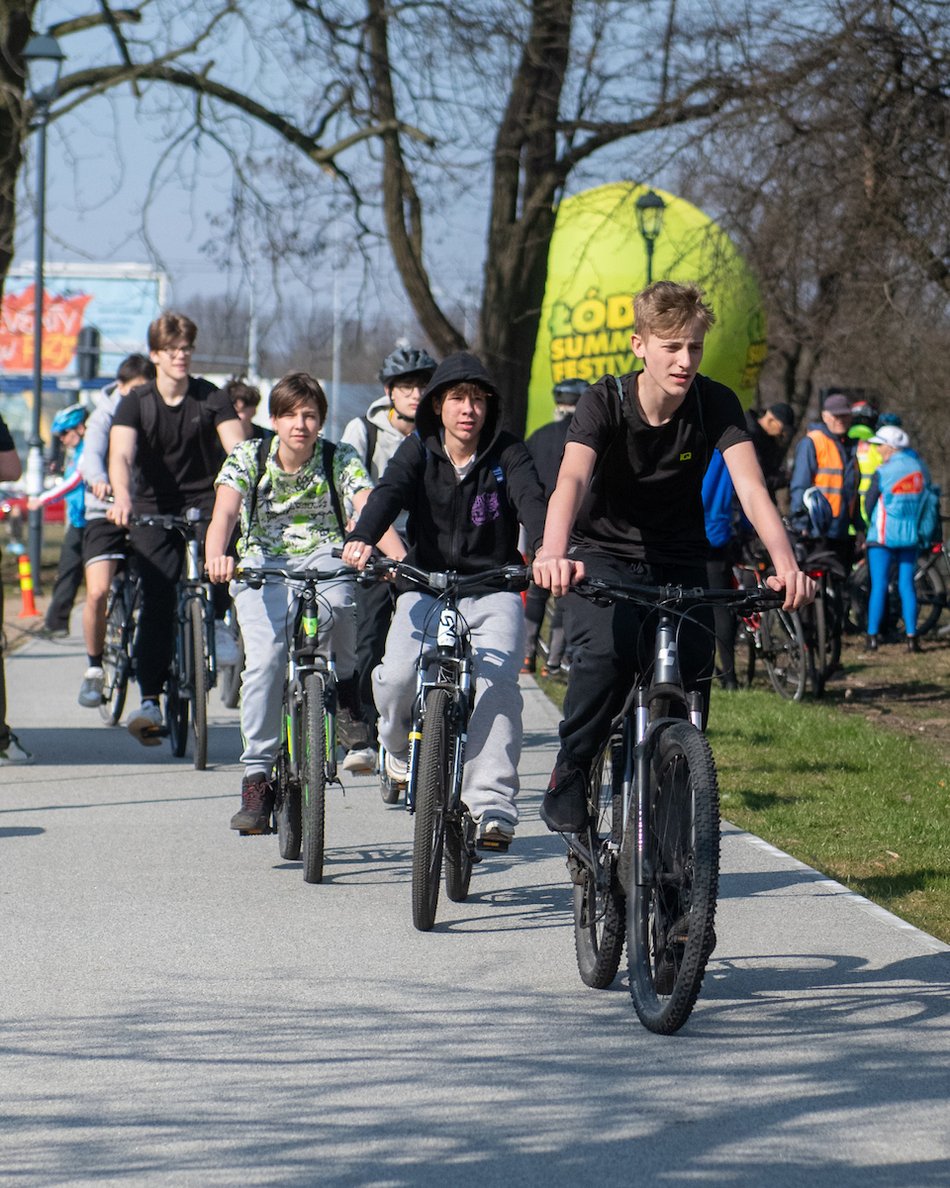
28,610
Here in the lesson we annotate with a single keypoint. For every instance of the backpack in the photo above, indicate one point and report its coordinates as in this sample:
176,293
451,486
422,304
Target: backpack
372,432
328,450
928,517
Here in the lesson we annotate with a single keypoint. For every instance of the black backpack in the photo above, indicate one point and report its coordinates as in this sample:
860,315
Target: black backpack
328,450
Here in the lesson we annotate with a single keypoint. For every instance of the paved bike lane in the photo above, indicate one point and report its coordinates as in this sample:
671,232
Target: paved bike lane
179,1007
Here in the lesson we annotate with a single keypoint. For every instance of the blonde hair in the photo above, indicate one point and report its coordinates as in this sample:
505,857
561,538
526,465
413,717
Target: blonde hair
665,307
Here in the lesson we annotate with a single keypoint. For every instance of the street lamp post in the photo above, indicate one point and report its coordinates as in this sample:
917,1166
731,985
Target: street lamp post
650,208
44,59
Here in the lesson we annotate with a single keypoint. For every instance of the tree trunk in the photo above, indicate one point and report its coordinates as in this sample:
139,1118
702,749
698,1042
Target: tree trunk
15,29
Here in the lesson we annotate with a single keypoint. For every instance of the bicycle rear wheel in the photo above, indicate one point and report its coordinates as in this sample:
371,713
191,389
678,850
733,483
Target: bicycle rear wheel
670,920
176,714
783,653
116,661
816,637
931,596
312,778
287,800
431,783
459,837
599,906
199,666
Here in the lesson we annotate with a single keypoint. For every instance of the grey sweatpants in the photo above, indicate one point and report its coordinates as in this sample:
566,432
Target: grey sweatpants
496,621
266,617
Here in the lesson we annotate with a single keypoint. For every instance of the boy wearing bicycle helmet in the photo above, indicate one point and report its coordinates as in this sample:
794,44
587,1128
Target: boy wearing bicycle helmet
292,496
465,483
628,506
376,437
69,425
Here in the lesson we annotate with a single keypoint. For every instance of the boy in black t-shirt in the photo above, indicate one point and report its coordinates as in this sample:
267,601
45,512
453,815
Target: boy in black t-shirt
628,506
166,444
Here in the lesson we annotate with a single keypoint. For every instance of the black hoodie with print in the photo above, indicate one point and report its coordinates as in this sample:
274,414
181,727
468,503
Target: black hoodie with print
468,524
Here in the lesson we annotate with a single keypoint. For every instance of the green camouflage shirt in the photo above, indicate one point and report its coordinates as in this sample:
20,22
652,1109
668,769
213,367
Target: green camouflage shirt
294,513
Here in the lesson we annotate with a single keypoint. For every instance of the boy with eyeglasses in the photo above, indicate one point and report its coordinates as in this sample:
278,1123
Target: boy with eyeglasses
166,445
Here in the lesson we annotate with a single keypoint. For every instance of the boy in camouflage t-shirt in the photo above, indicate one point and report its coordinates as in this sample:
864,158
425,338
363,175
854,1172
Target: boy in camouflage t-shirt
289,517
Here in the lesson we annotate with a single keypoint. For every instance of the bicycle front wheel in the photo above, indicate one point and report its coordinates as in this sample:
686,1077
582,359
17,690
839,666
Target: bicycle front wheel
116,661
783,652
432,780
176,713
312,778
199,665
745,656
599,906
670,919
458,857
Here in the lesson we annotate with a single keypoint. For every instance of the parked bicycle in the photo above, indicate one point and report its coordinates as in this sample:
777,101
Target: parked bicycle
773,636
306,756
931,582
646,869
445,696
823,620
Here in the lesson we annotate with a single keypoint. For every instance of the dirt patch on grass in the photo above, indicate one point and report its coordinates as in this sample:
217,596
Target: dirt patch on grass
899,690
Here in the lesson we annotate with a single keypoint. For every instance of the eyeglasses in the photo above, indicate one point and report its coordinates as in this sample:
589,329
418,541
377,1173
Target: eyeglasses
406,389
178,350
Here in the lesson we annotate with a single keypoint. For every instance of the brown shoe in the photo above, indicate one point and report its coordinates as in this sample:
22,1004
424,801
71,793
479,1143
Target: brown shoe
257,805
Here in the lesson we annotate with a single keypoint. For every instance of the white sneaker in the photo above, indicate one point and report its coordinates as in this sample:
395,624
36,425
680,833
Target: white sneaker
397,769
90,691
145,724
361,759
14,752
226,651
494,833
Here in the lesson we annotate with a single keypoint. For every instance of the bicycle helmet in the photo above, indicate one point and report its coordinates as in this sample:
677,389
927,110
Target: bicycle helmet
864,413
569,391
406,361
820,515
69,418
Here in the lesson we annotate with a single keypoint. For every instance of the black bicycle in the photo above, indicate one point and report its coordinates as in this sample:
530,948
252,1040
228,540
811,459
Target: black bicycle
646,869
306,758
192,672
121,640
445,696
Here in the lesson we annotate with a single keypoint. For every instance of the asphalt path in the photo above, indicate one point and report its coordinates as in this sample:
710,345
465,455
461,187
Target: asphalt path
178,1007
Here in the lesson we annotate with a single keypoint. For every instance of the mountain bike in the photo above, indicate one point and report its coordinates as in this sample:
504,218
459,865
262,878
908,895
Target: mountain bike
121,640
306,756
822,620
646,868
192,672
773,636
445,697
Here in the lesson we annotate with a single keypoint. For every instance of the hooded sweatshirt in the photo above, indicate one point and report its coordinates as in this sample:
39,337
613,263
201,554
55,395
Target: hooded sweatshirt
468,524
388,440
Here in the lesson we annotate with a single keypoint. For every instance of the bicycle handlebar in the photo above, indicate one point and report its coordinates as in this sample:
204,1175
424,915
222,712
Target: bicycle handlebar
185,524
505,577
256,576
678,596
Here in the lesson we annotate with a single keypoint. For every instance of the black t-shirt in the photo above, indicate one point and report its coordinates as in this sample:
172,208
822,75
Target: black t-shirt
178,453
645,498
6,440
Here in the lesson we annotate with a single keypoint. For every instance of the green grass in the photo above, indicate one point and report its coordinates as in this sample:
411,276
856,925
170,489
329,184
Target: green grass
867,806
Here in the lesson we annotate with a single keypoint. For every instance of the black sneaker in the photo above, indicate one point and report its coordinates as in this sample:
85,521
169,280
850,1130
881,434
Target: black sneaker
352,732
564,808
257,805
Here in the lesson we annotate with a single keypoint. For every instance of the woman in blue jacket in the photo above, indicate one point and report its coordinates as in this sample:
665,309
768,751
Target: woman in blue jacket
894,504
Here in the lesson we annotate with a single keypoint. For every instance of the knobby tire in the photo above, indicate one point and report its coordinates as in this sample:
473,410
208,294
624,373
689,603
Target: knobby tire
313,778
432,781
116,660
287,803
199,666
670,921
600,911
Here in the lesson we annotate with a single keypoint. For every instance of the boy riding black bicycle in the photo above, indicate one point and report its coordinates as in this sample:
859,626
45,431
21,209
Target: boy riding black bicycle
628,505
465,482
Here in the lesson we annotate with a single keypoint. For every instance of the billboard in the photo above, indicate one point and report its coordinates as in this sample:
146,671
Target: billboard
598,261
118,299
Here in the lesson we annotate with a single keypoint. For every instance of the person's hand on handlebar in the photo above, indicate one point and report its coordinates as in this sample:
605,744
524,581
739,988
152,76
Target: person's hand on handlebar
356,553
220,569
556,574
120,511
798,587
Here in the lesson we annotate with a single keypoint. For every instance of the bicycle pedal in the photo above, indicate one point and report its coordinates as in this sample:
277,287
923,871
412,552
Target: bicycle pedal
255,832
496,845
